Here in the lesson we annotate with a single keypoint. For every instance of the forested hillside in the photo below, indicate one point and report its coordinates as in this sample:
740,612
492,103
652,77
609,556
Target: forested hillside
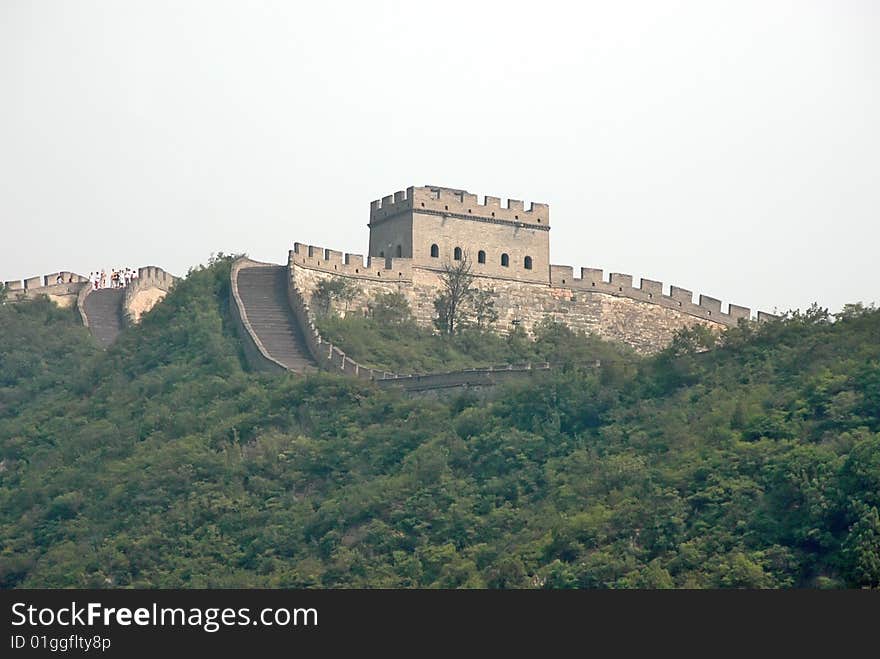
163,463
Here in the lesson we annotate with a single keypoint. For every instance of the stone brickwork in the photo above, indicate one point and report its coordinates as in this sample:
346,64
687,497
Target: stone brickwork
63,294
334,360
416,232
310,264
642,317
144,292
431,225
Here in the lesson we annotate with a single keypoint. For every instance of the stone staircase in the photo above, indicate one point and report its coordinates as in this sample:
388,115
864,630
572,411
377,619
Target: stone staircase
272,325
103,310
263,294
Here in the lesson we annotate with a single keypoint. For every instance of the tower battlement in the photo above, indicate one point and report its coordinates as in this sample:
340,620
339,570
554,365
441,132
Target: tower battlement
435,225
461,203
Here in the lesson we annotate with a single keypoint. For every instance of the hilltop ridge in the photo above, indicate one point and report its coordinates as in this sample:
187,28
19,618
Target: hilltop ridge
163,462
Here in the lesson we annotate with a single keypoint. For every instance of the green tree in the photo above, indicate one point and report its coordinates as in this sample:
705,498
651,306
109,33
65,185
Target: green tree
861,549
331,291
456,291
484,311
390,309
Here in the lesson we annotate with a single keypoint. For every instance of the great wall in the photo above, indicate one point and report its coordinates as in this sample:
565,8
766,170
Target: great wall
104,311
414,235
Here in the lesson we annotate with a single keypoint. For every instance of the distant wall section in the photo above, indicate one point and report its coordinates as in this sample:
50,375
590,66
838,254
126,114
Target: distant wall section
144,292
66,289
62,288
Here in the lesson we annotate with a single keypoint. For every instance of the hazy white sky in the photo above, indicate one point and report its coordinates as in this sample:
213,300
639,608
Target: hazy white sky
732,148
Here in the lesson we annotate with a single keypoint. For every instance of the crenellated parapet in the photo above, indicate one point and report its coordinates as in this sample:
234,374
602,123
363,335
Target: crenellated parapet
641,313
459,203
156,277
561,277
62,278
350,265
60,287
649,291
144,291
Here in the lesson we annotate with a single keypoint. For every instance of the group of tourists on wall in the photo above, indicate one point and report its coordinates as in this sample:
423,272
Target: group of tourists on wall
116,278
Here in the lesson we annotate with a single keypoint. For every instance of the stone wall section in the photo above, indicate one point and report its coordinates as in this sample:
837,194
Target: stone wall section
64,294
146,291
643,317
141,295
331,358
309,264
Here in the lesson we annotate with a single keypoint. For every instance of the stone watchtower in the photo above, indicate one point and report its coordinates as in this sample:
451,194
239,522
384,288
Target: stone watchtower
433,225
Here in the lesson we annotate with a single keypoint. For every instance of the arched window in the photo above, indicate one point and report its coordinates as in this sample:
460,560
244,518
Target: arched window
399,250
456,254
505,260
481,256
382,254
528,262
435,251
